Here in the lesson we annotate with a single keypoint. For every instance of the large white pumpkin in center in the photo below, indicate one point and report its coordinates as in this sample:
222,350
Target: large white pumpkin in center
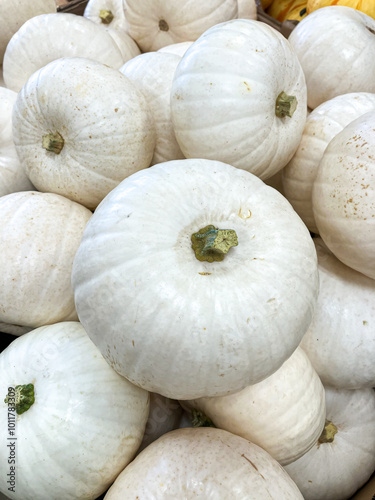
179,326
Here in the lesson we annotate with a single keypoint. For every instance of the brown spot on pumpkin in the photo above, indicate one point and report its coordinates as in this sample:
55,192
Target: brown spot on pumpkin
248,88
133,343
116,109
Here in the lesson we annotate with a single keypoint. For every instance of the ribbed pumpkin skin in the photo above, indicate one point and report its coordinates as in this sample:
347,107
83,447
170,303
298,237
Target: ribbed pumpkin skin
224,97
322,124
153,74
93,8
156,23
178,326
39,236
15,13
284,414
104,120
48,37
91,419
340,341
335,47
12,175
343,196
207,463
338,469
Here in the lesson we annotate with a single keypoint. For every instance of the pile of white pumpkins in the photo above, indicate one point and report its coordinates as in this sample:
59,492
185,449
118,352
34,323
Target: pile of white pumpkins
187,252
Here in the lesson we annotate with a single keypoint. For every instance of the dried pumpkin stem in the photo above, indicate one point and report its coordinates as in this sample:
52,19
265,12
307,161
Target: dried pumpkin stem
285,105
106,16
328,434
21,398
53,142
199,419
212,244
163,25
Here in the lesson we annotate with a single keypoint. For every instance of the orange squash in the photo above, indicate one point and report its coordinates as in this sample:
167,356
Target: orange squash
366,6
287,9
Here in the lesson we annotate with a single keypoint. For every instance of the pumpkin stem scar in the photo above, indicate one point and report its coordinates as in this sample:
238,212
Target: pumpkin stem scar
199,419
211,244
285,105
328,434
53,142
163,25
106,16
21,398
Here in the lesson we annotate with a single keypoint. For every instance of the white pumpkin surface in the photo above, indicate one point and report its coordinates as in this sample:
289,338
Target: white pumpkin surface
156,23
107,13
284,414
98,118
47,37
225,93
125,43
322,124
343,458
335,46
343,196
206,464
15,13
153,73
12,176
39,236
247,9
176,48
340,341
84,426
182,327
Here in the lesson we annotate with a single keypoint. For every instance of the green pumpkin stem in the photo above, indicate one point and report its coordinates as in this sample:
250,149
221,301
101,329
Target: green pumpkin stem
106,16
199,419
285,105
22,400
53,142
211,244
328,434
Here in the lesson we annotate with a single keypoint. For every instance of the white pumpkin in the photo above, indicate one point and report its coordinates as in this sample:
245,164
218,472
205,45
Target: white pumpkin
284,414
39,236
80,128
335,46
208,463
183,327
107,13
125,43
340,341
247,9
15,13
322,124
12,176
343,196
176,48
156,23
47,37
239,96
164,416
153,74
343,458
84,425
